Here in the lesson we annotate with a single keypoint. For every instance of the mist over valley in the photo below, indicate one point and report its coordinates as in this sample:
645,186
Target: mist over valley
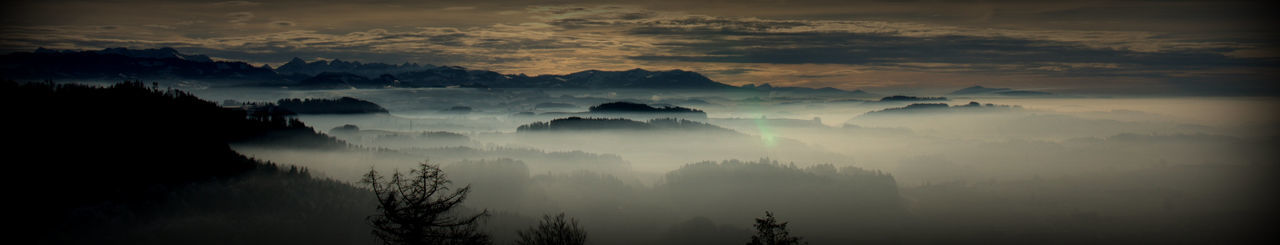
656,122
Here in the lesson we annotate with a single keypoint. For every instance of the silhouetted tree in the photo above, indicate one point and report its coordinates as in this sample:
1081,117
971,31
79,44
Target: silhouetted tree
557,230
418,209
770,232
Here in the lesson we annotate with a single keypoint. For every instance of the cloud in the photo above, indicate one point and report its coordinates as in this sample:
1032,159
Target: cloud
792,51
282,23
998,54
167,27
733,71
459,8
239,17
899,45
236,4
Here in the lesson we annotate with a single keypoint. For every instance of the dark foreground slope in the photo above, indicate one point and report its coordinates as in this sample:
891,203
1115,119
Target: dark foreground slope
129,164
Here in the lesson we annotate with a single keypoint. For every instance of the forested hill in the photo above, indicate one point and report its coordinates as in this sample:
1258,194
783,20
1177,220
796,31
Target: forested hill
344,105
95,164
144,125
628,107
601,124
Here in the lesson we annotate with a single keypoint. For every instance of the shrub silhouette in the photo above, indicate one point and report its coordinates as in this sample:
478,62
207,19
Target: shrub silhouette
770,232
557,230
421,209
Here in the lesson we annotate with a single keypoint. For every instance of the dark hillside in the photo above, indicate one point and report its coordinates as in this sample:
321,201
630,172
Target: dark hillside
104,164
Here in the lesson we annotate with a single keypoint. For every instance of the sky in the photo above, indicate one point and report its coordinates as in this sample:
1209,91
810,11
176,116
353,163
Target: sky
1108,47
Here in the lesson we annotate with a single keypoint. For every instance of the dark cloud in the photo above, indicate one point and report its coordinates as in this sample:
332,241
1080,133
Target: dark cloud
737,44
451,39
636,16
518,44
577,23
235,4
800,41
724,25
282,23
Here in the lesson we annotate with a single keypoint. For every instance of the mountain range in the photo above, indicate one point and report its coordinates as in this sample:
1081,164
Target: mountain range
169,64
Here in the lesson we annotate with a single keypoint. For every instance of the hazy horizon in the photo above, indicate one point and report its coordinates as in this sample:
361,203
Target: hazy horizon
650,122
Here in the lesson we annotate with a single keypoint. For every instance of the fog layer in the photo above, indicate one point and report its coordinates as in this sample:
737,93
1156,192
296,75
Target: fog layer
999,169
